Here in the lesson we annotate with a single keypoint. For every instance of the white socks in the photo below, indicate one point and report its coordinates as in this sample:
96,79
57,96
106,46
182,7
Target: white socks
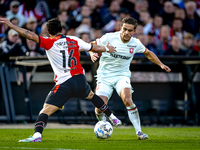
134,117
112,116
37,134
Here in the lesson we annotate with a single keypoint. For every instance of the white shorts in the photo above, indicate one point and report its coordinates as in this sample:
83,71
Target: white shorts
106,87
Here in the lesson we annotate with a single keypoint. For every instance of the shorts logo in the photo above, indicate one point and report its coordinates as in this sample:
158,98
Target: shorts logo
131,50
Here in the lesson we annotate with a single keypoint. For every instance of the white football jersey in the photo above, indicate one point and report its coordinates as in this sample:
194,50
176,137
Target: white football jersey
118,63
63,54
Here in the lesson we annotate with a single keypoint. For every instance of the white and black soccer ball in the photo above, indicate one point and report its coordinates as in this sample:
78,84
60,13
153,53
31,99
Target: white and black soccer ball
103,129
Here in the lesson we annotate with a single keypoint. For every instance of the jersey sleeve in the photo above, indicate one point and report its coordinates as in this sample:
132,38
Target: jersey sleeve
103,40
82,44
46,43
140,47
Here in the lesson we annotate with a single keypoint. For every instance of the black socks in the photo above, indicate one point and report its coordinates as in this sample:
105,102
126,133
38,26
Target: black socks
99,103
41,122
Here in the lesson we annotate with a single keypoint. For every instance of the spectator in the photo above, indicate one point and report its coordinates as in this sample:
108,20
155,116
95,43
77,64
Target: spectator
33,49
85,12
85,26
11,46
177,28
175,48
101,7
155,7
124,13
137,8
112,26
168,13
146,20
13,13
192,20
180,13
152,43
85,37
113,13
96,18
71,31
156,26
63,16
187,43
64,28
115,25
98,33
73,11
32,25
164,42
44,31
139,30
197,44
14,21
63,5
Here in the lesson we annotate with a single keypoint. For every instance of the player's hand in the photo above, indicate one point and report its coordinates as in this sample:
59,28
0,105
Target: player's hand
6,21
111,48
166,68
94,56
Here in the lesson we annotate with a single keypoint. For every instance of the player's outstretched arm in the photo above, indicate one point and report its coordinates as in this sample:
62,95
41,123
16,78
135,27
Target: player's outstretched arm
99,49
153,58
23,32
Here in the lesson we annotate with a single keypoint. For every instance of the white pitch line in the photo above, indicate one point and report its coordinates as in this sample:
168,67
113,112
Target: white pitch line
38,148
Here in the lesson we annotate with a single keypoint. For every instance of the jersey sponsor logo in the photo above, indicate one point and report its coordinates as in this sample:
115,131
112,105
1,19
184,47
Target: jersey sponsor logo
66,43
131,46
119,56
131,50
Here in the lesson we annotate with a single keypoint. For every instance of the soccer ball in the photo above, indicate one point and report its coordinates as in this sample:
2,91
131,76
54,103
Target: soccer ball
103,129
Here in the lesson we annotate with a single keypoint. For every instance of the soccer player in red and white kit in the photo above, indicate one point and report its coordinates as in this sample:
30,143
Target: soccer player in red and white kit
63,54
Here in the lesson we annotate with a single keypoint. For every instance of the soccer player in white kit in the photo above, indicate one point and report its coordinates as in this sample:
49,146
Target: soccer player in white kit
113,71
63,54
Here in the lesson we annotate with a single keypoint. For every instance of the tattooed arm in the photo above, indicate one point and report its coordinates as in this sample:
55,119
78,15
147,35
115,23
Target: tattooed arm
23,32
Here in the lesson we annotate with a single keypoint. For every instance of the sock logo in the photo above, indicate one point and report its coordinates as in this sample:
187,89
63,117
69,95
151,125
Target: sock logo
103,107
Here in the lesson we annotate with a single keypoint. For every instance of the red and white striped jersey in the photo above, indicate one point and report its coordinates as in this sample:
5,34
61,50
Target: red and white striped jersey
63,54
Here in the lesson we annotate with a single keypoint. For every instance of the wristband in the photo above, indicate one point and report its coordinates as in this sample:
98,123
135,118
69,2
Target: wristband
106,49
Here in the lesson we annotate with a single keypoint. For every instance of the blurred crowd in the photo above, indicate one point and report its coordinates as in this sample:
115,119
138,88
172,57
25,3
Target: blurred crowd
164,27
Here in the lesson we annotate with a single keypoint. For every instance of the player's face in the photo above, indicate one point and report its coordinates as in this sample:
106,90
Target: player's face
127,31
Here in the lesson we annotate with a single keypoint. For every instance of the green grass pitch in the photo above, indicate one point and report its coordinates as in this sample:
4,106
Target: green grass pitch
121,139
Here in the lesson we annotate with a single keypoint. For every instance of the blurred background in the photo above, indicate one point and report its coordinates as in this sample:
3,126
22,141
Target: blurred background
171,29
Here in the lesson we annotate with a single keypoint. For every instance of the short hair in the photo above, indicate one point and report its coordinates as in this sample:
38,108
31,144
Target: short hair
130,20
187,4
188,36
54,26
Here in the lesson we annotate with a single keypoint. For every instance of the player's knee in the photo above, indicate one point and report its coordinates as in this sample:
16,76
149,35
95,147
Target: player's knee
128,102
49,109
98,110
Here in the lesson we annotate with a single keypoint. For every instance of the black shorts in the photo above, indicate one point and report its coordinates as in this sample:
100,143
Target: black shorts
75,87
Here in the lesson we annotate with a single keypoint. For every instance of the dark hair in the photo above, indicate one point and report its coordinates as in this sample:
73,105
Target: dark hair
54,26
130,20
